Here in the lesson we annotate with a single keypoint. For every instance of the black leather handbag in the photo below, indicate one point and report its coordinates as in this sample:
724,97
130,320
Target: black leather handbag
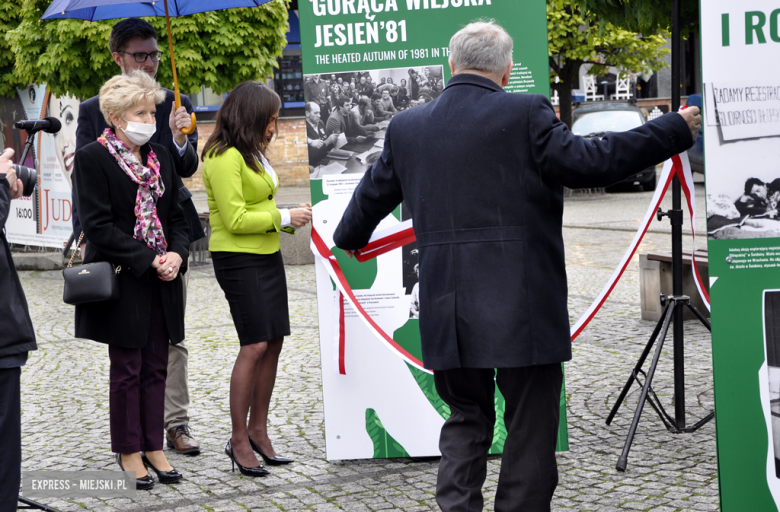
93,282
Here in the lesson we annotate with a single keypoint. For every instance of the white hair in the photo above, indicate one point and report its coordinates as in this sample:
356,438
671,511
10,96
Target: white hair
482,45
123,92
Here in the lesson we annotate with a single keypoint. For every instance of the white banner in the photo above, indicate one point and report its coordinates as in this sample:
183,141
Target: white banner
45,218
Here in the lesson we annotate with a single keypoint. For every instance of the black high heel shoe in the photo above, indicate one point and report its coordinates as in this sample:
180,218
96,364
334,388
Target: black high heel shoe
271,461
142,484
165,477
255,471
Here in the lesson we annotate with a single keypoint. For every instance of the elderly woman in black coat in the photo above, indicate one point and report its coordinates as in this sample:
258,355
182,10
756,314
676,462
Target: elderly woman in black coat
130,214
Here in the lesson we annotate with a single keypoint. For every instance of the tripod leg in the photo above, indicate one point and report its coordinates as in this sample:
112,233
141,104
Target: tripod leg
623,460
34,505
701,317
637,368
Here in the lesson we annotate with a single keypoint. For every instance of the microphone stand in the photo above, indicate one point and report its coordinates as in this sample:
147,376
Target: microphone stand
674,306
28,504
27,145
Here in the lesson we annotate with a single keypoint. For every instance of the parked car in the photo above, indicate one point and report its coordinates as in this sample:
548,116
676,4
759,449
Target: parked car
696,153
598,118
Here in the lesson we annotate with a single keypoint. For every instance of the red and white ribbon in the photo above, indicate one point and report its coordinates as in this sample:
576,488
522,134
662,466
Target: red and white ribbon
686,182
401,234
386,240
323,252
340,338
677,165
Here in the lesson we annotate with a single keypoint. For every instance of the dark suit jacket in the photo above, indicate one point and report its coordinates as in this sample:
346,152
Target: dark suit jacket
482,172
349,125
18,335
91,124
107,199
317,154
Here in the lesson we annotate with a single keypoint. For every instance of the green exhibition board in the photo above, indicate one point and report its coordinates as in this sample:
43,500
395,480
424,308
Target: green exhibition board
377,404
741,89
338,36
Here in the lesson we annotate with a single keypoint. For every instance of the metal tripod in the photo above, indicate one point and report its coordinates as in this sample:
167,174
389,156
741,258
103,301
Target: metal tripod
674,305
28,504
673,311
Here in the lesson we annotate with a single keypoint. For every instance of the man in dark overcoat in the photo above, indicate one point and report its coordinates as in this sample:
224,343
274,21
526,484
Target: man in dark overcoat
482,173
133,45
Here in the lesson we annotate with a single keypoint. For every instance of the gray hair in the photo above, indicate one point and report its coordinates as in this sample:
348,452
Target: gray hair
482,45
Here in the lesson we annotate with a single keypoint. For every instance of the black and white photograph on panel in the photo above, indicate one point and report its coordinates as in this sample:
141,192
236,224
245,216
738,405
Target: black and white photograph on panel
745,204
347,114
772,345
411,269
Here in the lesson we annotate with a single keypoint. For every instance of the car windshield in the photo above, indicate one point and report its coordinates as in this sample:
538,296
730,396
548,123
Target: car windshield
606,121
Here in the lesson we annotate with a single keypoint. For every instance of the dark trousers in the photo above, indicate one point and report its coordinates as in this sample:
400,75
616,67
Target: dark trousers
10,438
529,472
137,392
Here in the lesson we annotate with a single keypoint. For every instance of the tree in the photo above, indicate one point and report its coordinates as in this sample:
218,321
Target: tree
218,49
9,19
576,37
646,16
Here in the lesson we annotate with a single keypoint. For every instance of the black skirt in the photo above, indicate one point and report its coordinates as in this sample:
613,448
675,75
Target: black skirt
256,289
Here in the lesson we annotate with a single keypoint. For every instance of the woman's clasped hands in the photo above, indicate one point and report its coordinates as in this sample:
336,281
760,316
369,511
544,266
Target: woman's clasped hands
167,266
300,216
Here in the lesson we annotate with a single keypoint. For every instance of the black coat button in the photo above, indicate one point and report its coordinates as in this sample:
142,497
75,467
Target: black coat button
674,140
270,197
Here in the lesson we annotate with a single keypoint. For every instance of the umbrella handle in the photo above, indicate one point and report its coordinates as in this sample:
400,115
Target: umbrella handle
177,94
177,97
192,127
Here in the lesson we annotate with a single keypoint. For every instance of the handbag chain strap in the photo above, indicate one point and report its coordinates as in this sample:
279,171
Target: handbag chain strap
70,263
117,269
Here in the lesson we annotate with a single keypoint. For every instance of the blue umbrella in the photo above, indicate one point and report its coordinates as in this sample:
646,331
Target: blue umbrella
95,10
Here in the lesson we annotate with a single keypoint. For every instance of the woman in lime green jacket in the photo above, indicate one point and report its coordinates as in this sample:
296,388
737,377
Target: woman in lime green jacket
244,245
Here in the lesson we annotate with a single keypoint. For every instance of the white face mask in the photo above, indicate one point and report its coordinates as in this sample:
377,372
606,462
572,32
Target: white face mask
139,133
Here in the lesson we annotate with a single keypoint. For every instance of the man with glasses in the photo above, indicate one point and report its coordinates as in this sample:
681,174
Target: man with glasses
133,45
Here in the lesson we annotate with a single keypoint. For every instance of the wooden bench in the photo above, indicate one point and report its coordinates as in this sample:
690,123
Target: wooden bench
655,278
199,250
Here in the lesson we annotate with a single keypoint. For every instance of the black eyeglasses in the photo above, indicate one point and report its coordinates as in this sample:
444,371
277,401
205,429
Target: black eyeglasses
140,57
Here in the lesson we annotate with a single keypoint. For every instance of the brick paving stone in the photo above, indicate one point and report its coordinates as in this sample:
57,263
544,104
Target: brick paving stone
65,399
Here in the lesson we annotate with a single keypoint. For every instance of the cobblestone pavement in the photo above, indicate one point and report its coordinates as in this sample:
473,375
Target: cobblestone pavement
65,405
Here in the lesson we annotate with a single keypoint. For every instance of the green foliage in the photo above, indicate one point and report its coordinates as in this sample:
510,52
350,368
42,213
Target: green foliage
646,16
562,445
217,49
576,36
317,194
428,387
360,276
9,19
408,337
385,447
499,429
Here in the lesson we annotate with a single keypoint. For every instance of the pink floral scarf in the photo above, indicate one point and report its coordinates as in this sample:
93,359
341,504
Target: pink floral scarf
150,187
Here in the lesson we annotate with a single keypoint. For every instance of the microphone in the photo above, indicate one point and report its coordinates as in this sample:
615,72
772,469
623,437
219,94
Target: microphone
47,124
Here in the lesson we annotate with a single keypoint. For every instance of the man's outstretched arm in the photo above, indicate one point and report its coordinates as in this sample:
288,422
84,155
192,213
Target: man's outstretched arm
377,194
